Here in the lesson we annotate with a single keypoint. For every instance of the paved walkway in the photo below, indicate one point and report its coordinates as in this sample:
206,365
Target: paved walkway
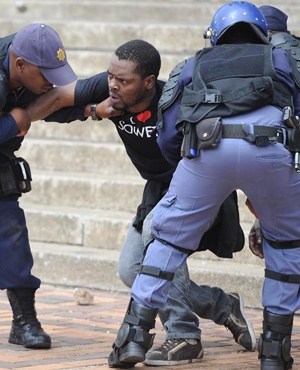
82,335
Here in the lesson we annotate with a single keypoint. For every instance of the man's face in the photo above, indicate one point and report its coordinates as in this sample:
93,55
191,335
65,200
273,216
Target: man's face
31,77
127,89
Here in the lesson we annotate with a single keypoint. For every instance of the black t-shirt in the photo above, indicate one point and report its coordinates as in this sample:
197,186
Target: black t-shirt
137,131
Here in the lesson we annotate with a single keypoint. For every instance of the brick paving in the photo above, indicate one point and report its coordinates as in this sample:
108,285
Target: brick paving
82,335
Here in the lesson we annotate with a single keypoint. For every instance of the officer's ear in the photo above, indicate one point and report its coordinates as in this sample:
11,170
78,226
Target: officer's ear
20,63
150,82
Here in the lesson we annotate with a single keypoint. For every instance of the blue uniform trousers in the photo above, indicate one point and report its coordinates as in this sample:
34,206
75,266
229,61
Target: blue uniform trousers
15,256
184,297
199,186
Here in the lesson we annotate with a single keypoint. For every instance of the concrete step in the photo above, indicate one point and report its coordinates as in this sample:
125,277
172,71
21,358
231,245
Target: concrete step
89,45
105,35
133,11
86,267
93,228
82,189
67,156
104,189
83,227
160,11
88,131
175,28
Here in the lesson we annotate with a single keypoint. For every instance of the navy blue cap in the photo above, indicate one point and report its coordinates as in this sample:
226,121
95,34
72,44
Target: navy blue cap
41,46
275,18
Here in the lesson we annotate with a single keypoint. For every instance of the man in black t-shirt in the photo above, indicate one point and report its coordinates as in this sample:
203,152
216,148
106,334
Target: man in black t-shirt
128,94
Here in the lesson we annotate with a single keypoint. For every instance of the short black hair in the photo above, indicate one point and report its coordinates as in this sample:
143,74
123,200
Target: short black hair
144,54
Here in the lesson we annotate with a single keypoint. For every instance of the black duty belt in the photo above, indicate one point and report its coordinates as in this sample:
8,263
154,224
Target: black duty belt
284,244
262,135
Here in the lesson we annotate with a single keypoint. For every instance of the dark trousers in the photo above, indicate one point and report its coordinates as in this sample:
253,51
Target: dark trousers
15,255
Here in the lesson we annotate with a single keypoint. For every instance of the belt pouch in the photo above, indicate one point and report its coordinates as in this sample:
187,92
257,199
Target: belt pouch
292,140
209,133
15,177
8,184
22,174
189,146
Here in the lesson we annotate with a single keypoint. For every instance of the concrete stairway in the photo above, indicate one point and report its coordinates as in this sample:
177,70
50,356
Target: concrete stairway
92,29
85,190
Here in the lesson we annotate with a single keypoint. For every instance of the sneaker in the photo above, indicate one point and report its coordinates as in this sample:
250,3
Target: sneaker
239,326
175,352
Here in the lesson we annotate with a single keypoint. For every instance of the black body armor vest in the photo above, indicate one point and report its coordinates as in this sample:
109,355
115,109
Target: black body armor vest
232,79
291,44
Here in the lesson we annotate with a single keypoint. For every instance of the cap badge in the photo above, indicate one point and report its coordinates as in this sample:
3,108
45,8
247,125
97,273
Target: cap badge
60,55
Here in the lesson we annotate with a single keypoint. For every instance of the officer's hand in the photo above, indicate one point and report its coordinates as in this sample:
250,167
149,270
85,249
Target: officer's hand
105,110
22,119
250,207
256,240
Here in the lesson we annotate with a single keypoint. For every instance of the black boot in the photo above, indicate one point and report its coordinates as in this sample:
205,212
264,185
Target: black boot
26,329
274,347
133,339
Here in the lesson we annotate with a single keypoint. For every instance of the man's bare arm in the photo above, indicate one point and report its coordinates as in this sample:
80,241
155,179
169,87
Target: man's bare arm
51,101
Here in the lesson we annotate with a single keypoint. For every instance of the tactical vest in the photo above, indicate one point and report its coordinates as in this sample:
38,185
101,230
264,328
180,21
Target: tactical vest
170,93
15,174
4,85
7,148
286,41
232,79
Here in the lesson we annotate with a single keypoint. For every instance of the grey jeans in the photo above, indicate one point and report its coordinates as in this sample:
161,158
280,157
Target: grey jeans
186,300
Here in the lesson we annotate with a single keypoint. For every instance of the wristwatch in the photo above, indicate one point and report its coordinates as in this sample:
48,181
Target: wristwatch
93,113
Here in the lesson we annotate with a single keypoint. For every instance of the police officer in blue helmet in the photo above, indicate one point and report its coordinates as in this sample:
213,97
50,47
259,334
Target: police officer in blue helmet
237,104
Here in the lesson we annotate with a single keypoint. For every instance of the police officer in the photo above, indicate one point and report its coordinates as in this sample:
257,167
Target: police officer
232,96
277,26
32,61
280,37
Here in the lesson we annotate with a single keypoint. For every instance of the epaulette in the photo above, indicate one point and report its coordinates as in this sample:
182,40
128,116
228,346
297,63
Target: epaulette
170,92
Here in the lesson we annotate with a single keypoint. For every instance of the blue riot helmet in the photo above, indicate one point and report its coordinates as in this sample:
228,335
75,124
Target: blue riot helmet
234,13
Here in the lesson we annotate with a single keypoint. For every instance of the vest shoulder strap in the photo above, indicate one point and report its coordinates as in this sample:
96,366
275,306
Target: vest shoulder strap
170,92
284,40
294,57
